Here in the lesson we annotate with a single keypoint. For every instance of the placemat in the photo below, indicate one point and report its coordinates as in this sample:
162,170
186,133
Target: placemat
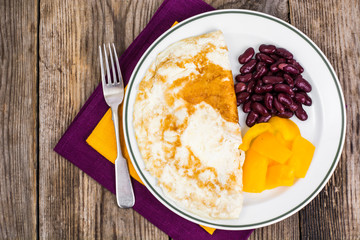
74,148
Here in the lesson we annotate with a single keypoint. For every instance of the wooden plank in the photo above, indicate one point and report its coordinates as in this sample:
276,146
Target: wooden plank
18,119
335,27
288,228
277,8
72,205
65,71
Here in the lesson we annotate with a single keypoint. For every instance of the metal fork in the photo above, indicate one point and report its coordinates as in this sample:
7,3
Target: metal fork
114,94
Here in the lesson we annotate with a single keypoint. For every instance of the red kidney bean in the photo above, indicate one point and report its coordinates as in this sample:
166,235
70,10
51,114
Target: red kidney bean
246,56
291,61
308,100
296,64
268,101
242,97
257,89
263,89
289,68
293,107
301,114
302,84
262,57
285,114
251,118
261,72
273,111
260,65
284,99
287,101
274,67
247,106
289,80
278,106
259,108
272,79
299,98
269,73
244,78
280,87
274,56
248,67
282,65
279,74
262,119
240,87
282,52
259,83
257,97
250,87
295,89
267,48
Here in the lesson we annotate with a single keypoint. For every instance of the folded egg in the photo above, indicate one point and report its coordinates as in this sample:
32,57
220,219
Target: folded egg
186,126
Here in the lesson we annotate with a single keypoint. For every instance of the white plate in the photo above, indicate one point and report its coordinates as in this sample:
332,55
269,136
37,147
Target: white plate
325,127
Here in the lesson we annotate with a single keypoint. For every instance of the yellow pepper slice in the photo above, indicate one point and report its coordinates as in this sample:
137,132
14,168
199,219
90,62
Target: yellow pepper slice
303,152
279,175
267,145
252,133
286,127
254,172
281,139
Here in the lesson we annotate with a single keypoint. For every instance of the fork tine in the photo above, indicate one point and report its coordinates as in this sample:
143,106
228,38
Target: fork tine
118,66
112,65
107,67
102,67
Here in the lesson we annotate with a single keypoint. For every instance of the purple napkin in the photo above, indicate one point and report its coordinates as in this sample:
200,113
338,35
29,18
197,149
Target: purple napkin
74,148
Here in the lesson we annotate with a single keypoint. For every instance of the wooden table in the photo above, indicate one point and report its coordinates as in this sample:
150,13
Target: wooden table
49,67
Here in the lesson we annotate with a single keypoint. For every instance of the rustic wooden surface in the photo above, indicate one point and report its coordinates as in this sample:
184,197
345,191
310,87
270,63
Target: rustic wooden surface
48,68
335,27
18,119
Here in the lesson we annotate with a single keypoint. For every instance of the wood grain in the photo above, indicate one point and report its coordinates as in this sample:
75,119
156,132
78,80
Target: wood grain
277,8
18,119
335,27
72,205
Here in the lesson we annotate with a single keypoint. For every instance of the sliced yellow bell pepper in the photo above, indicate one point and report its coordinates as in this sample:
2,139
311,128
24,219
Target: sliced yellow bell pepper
276,153
286,127
281,139
303,152
252,133
254,172
279,175
267,145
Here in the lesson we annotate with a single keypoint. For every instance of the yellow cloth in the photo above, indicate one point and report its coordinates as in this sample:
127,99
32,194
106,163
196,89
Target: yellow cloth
103,140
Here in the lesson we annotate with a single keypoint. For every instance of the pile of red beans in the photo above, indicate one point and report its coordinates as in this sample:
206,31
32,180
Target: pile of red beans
271,85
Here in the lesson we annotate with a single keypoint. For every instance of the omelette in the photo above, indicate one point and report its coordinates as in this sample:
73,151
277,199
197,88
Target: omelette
187,130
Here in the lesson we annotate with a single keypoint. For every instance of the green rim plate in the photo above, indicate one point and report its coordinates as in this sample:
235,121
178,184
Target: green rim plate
177,209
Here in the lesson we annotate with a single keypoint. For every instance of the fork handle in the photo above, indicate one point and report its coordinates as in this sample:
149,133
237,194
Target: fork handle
124,191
